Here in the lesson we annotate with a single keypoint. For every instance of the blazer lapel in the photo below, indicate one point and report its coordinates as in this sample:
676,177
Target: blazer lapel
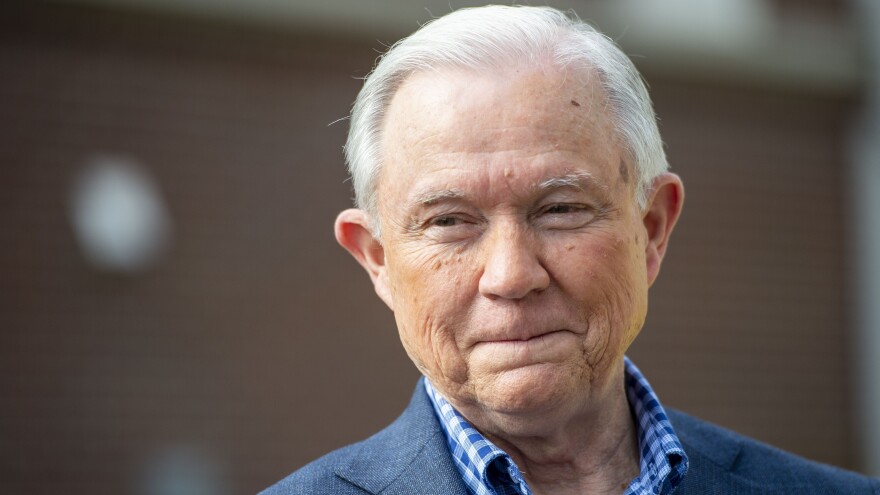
431,473
712,455
410,456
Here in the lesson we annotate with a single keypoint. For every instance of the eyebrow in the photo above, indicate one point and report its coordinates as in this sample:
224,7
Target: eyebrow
429,198
577,180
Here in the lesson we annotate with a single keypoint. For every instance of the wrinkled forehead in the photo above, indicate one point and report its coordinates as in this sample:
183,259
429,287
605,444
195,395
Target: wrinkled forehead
504,90
457,110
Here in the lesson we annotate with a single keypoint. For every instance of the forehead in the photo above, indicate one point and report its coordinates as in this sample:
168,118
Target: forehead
522,119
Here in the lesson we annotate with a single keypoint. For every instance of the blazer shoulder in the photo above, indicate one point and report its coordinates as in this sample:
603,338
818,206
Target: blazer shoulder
410,452
337,473
711,447
319,476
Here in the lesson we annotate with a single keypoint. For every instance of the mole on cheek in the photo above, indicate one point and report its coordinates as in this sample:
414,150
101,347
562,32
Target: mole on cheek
575,103
624,172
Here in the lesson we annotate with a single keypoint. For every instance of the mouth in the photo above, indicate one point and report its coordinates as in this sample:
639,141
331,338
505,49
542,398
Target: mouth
538,348
526,338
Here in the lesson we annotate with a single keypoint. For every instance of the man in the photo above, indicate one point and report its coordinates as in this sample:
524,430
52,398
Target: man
514,207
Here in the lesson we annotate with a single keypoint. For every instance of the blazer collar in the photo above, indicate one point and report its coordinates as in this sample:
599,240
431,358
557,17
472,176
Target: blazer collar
713,454
409,456
720,447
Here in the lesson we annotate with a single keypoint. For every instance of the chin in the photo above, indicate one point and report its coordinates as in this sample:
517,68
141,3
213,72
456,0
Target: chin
530,390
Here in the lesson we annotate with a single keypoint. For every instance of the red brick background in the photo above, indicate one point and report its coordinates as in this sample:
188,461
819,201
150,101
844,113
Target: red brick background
250,344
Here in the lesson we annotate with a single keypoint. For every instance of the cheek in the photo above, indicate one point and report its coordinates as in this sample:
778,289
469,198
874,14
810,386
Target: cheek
430,307
598,262
606,279
424,282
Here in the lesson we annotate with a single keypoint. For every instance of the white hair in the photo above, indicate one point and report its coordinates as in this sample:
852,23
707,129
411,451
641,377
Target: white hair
495,37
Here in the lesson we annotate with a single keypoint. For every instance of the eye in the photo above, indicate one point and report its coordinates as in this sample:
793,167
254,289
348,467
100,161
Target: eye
450,227
565,216
562,208
445,221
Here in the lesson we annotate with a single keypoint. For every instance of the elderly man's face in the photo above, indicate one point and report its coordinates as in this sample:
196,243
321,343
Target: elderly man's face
513,252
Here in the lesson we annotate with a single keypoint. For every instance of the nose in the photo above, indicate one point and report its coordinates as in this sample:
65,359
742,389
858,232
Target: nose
512,268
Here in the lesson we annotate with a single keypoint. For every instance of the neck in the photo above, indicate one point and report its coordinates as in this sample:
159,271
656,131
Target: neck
593,449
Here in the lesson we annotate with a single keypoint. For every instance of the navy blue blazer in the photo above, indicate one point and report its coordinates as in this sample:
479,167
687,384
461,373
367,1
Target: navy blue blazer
411,456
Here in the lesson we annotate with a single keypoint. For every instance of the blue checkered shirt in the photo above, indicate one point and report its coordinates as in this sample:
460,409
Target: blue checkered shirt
487,470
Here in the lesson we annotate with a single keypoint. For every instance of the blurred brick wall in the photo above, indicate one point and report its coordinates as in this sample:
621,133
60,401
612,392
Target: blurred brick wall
751,307
229,346
259,344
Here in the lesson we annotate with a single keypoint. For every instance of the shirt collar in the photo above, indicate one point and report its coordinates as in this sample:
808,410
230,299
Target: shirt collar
488,470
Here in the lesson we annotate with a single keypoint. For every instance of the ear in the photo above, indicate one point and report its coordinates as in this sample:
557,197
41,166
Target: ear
354,233
659,217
